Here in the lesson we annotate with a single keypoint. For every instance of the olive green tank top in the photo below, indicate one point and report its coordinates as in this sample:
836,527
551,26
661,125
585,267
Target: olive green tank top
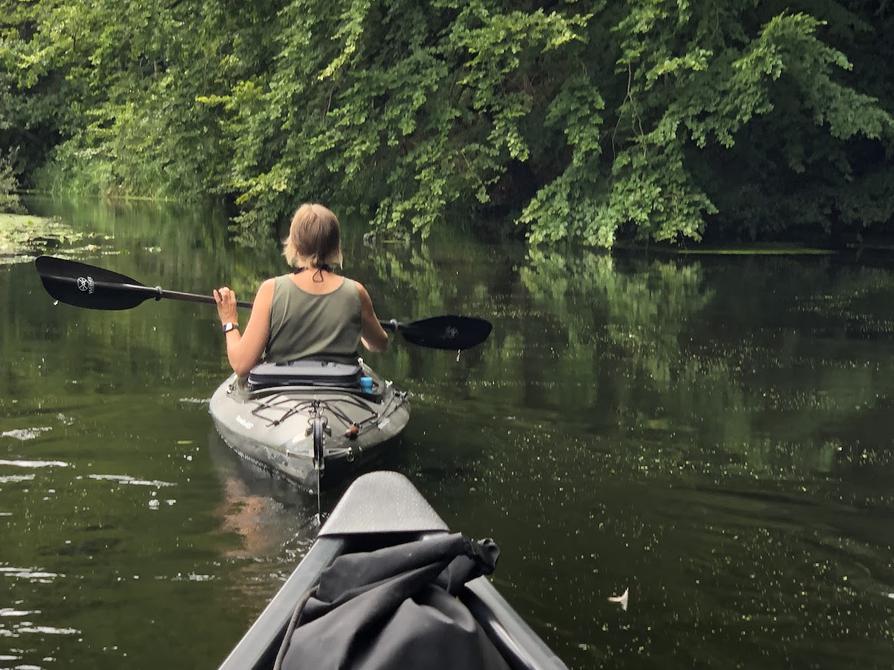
304,325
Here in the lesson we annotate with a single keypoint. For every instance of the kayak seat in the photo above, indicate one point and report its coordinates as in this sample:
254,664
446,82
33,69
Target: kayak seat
305,373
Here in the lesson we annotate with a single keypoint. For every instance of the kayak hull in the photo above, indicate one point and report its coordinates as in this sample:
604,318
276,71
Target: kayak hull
383,509
272,426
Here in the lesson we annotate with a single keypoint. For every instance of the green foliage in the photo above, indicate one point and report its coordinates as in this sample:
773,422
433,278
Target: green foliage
9,186
581,121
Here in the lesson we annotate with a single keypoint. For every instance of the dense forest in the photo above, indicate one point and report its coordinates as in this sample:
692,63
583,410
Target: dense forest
579,121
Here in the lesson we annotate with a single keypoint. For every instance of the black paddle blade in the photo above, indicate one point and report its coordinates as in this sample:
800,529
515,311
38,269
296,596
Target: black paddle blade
447,332
88,286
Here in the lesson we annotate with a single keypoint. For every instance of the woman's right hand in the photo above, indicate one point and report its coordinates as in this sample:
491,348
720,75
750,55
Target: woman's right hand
226,305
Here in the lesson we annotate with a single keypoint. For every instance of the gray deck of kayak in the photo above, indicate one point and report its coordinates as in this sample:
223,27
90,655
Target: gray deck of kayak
393,505
280,442
385,502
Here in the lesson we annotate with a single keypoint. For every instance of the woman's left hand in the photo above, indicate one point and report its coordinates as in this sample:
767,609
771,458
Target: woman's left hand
226,305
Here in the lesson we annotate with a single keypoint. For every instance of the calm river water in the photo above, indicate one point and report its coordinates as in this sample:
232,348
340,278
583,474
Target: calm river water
715,434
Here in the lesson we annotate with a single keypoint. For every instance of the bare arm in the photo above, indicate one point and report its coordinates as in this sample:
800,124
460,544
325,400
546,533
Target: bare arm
244,350
372,334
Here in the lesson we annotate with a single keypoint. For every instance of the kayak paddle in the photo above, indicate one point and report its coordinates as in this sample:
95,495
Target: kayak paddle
88,286
451,332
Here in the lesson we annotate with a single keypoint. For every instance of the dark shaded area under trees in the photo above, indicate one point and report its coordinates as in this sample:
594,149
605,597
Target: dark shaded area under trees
585,122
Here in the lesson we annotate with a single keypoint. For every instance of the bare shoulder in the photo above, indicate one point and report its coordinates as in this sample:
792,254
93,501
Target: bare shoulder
361,289
265,291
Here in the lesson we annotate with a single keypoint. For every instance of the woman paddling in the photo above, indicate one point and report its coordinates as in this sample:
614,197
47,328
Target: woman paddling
309,313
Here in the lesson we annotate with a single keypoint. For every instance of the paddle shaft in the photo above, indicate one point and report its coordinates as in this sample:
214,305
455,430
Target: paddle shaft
153,292
157,293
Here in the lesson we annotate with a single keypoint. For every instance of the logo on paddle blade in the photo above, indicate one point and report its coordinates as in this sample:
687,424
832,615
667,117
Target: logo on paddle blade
450,333
86,285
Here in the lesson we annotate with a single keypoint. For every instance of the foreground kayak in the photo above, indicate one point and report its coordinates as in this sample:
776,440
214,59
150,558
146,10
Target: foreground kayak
308,418
381,510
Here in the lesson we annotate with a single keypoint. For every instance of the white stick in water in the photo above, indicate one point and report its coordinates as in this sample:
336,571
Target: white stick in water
621,599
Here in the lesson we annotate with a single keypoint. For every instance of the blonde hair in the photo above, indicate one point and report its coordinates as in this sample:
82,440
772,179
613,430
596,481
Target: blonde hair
314,238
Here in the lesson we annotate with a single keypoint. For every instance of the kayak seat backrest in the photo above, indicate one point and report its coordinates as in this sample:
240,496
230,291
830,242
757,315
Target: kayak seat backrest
305,373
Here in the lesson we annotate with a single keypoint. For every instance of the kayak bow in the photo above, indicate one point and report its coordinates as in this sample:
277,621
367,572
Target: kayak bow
380,510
